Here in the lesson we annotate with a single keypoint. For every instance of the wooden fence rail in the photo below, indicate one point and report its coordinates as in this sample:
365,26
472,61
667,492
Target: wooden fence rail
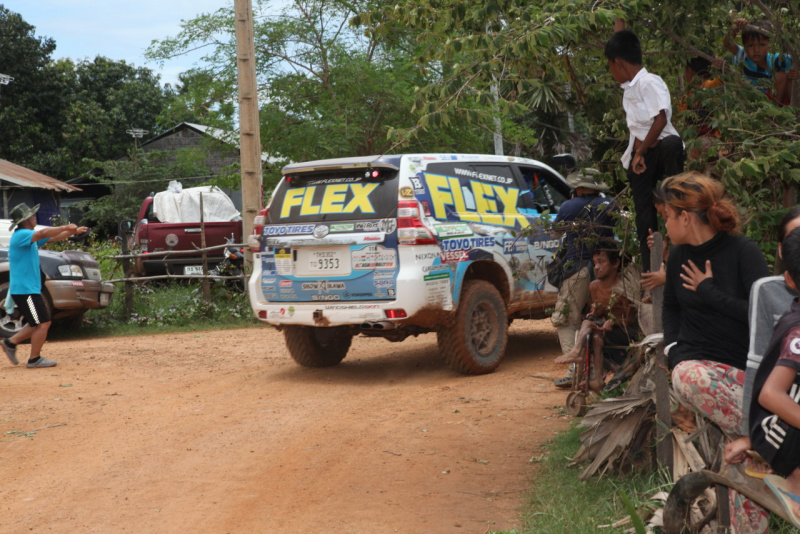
129,279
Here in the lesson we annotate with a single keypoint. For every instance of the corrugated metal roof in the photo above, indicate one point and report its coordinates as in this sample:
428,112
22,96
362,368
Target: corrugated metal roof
24,177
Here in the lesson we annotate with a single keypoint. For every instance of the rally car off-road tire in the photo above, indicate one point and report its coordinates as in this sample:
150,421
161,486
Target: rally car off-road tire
476,343
317,347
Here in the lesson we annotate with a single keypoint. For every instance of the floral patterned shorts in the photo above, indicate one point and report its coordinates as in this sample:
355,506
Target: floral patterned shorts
715,390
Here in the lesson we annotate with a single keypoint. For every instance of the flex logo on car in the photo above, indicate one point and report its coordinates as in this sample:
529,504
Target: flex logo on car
474,201
331,198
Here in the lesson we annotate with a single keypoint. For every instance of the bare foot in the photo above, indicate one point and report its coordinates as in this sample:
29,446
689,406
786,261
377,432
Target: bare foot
567,358
573,356
793,485
756,466
683,418
596,386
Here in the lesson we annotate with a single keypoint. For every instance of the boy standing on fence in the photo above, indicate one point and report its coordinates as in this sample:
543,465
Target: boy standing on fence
655,149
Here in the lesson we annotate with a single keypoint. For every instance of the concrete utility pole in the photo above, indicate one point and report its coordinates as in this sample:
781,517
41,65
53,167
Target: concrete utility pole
249,125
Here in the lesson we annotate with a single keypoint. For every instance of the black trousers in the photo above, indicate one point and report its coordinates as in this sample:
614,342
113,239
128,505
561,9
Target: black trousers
663,160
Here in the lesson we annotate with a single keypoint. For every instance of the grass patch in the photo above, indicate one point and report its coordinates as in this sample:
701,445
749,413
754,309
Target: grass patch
163,308
558,502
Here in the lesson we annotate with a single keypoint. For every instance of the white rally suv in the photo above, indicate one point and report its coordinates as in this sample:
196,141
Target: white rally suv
397,245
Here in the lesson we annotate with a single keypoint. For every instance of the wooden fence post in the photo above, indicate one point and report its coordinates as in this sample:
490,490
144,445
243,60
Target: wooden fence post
206,282
663,408
126,269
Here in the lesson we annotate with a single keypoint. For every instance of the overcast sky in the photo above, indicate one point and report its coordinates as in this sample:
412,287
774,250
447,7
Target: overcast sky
118,29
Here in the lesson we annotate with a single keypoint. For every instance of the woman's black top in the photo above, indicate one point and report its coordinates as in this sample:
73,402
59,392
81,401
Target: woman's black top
711,323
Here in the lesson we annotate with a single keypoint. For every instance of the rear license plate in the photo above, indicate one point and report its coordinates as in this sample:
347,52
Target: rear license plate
193,269
105,299
329,261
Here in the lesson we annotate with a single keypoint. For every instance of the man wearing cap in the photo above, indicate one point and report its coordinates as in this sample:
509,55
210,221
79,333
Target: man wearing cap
26,283
584,220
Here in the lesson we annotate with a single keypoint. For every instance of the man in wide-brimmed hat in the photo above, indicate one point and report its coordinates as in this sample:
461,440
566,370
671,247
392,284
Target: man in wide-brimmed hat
584,219
25,287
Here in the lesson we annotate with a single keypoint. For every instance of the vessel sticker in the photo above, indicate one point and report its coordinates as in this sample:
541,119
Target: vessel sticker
452,256
344,227
406,192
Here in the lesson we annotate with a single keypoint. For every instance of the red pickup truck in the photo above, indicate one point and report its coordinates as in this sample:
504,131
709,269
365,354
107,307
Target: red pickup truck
171,222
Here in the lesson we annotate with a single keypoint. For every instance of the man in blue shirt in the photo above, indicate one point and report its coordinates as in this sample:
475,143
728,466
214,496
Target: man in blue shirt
26,282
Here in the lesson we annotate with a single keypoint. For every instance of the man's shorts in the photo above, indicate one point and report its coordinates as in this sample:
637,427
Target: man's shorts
32,308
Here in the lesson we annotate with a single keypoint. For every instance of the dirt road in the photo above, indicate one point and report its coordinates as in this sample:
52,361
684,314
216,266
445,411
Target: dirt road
221,432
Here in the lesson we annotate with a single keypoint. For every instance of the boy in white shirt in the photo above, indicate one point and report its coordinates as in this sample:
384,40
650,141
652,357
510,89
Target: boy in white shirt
655,150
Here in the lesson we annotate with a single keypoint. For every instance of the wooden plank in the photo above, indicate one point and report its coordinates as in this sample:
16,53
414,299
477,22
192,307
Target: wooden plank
662,395
693,458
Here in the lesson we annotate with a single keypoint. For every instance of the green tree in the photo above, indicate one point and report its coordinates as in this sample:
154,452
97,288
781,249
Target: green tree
57,113
545,59
327,89
108,99
31,106
133,178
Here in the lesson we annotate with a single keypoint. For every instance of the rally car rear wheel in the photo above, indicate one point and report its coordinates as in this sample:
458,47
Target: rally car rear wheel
317,347
476,343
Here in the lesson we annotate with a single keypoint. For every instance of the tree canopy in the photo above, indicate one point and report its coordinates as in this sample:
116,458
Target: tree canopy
55,114
543,61
326,89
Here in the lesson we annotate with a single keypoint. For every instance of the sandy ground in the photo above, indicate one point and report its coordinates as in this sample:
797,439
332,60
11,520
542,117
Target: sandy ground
221,432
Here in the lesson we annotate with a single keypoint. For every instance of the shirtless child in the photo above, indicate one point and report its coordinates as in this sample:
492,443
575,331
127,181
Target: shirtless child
611,319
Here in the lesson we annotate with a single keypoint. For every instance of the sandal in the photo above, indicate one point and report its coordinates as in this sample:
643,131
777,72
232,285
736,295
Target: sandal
756,466
563,383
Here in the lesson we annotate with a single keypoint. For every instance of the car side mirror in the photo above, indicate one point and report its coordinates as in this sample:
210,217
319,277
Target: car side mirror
126,227
566,162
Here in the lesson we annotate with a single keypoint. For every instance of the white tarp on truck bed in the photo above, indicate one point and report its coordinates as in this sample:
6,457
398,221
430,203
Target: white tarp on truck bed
184,206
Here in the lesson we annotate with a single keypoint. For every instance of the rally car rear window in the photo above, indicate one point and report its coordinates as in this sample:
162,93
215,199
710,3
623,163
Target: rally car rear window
335,196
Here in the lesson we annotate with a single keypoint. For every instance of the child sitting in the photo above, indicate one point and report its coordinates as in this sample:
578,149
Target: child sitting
611,319
775,405
772,73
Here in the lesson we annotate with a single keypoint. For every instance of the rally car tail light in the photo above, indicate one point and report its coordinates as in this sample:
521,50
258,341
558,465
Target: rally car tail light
410,228
254,240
